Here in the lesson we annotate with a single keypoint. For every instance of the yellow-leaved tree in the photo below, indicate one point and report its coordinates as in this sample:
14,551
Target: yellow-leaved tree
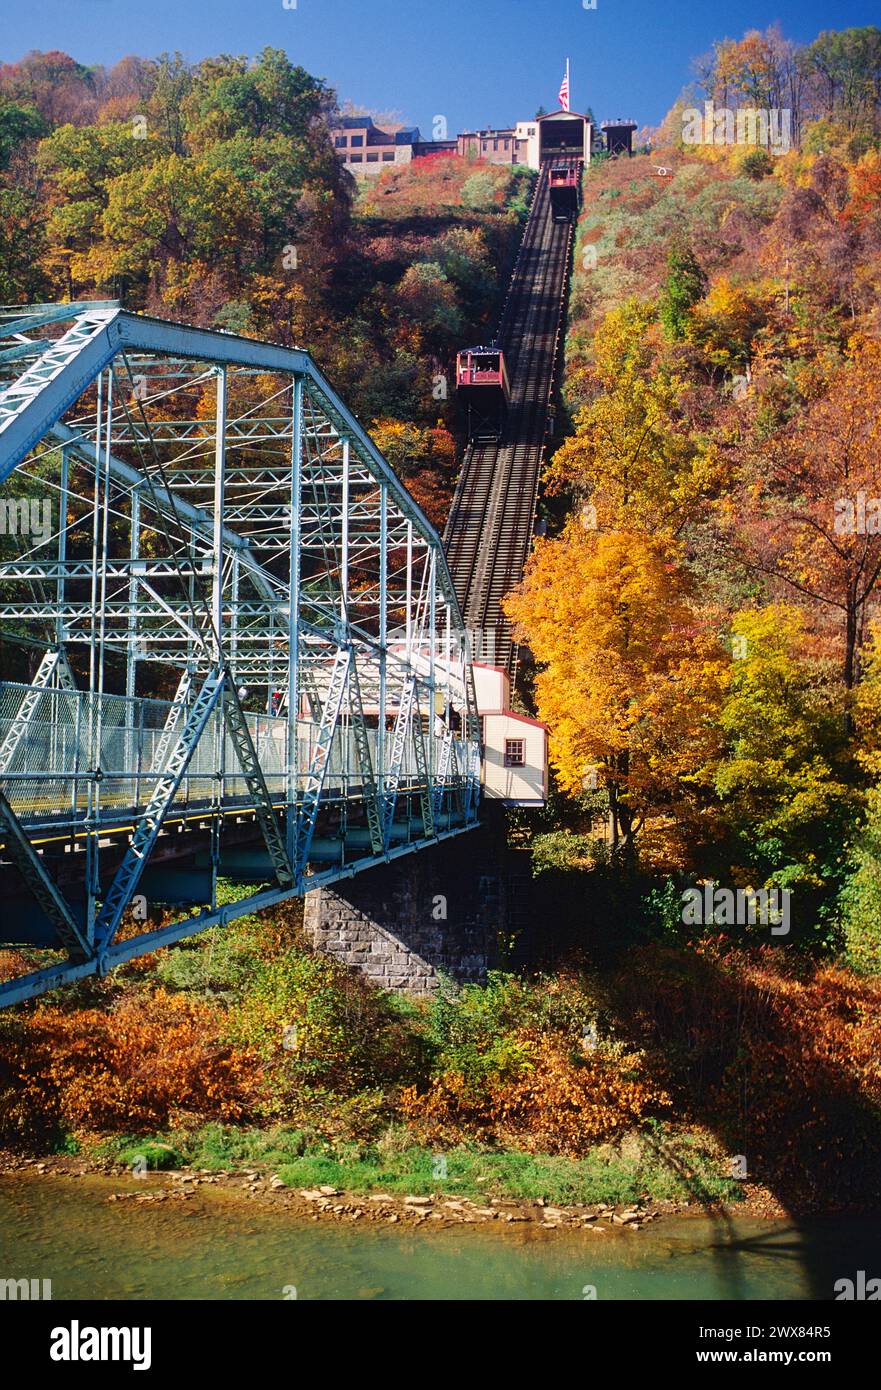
632,455
631,679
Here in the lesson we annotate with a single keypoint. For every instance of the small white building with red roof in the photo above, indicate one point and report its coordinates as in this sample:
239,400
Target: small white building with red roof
515,747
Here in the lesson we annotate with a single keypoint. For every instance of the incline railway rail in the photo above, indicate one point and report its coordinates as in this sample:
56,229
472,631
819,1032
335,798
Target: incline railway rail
489,530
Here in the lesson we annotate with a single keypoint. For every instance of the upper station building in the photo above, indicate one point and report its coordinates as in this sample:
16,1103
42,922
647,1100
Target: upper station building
529,142
367,148
558,133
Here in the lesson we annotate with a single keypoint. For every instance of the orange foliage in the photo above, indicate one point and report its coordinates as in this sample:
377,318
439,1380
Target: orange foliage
864,207
562,1101
783,1058
140,1066
630,675
805,1092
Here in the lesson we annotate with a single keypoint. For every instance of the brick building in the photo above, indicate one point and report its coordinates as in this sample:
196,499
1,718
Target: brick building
496,146
366,148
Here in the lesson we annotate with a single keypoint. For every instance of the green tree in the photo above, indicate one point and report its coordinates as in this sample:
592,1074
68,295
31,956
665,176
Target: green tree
479,191
685,284
22,237
18,123
171,87
784,778
176,210
848,65
269,96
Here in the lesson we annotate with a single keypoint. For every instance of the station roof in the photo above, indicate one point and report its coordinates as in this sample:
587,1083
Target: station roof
562,115
512,714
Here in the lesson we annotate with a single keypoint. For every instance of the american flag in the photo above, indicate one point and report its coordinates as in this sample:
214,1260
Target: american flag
563,96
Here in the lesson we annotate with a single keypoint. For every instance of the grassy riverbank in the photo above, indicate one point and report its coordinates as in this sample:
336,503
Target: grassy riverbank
657,1166
660,1069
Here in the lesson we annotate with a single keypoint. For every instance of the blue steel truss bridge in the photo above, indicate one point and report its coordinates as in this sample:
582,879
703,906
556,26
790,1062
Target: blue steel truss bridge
231,645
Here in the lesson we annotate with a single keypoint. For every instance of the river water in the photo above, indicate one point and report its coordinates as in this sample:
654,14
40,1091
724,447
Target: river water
220,1246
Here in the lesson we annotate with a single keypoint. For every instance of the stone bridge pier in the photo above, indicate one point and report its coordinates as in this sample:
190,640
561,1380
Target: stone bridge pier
446,910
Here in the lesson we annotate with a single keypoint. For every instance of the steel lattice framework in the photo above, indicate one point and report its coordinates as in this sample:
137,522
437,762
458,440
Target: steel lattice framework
253,664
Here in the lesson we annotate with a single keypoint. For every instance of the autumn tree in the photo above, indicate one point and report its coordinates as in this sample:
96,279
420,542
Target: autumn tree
629,678
431,309
631,456
724,324
812,499
847,65
409,447
78,164
861,897
864,206
783,778
59,88
125,89
763,70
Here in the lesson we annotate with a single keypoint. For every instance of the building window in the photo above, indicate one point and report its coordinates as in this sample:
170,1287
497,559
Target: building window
355,158
340,142
372,158
387,157
515,752
357,139
506,144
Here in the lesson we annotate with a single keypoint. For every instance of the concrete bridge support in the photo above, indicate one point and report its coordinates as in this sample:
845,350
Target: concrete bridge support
447,910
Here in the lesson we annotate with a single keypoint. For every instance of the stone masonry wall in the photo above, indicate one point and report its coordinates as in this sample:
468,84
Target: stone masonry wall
437,910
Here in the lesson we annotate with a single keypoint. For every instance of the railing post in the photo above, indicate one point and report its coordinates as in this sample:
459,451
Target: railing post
219,494
131,662
293,769
62,545
383,634
217,787
432,631
344,537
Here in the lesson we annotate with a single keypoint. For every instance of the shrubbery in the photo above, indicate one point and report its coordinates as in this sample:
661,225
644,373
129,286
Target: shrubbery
151,1059
775,1055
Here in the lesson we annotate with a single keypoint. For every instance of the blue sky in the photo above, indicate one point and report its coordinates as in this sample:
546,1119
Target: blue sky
476,62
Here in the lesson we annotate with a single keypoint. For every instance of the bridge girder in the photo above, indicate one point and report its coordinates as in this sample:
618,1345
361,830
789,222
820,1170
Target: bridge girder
183,501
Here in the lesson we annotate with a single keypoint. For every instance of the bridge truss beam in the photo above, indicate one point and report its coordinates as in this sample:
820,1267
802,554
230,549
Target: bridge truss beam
248,626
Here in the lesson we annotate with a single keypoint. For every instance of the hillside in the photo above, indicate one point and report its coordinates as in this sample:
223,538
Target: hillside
211,193
702,617
722,374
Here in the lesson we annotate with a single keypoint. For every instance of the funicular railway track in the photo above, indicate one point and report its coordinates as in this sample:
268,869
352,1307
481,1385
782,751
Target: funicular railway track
491,521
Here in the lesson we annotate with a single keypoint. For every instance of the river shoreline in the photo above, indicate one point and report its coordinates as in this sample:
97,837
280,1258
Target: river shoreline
94,1235
256,1184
